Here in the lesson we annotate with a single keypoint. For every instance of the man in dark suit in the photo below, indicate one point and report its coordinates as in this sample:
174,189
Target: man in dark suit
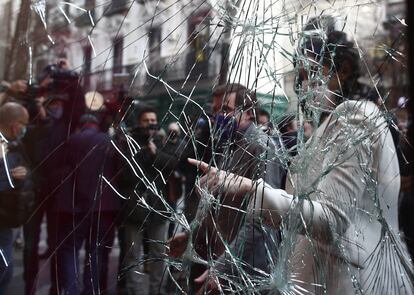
86,209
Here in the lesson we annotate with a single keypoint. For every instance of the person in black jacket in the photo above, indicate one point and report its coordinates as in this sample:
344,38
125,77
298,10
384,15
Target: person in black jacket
146,208
16,196
45,146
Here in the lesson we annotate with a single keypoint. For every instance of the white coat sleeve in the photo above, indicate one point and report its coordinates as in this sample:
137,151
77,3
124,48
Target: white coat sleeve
273,204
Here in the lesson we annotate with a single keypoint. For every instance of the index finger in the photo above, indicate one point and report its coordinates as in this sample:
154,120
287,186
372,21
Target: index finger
203,166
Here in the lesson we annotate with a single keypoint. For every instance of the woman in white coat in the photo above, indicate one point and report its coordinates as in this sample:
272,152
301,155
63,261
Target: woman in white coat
339,218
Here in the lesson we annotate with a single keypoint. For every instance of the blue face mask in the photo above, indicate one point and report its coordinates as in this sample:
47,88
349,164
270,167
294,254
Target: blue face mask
224,127
21,134
55,112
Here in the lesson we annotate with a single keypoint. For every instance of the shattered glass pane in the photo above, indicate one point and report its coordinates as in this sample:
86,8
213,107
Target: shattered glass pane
205,147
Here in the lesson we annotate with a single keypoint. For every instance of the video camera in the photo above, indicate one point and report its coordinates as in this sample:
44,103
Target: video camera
61,81
136,131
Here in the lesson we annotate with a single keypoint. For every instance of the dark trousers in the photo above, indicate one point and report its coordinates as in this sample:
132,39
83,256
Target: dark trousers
31,232
96,231
6,258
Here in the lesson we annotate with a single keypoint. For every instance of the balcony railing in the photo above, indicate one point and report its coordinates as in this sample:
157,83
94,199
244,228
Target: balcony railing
170,69
106,80
184,66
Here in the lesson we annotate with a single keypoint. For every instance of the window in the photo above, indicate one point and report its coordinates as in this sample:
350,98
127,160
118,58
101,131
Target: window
117,7
154,48
118,51
87,59
154,40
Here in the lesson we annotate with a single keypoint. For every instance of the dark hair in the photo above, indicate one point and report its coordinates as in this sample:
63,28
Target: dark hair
143,109
88,119
334,50
245,98
341,50
321,22
263,112
285,122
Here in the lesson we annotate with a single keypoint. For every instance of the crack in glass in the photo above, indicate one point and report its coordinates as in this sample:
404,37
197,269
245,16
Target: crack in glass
287,108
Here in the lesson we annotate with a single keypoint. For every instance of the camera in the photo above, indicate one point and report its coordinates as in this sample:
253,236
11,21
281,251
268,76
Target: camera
61,81
137,130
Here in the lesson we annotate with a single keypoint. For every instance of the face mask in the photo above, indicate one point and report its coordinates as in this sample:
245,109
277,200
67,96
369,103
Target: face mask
21,134
55,112
155,127
225,126
265,128
139,131
172,135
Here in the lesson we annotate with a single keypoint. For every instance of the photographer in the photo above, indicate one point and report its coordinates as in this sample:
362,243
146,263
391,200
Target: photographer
56,103
45,144
146,204
60,81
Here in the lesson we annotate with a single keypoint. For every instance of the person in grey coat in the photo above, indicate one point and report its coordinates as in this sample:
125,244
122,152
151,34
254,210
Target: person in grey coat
241,147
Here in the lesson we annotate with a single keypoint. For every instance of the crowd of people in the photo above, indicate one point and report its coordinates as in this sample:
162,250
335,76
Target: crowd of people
307,204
